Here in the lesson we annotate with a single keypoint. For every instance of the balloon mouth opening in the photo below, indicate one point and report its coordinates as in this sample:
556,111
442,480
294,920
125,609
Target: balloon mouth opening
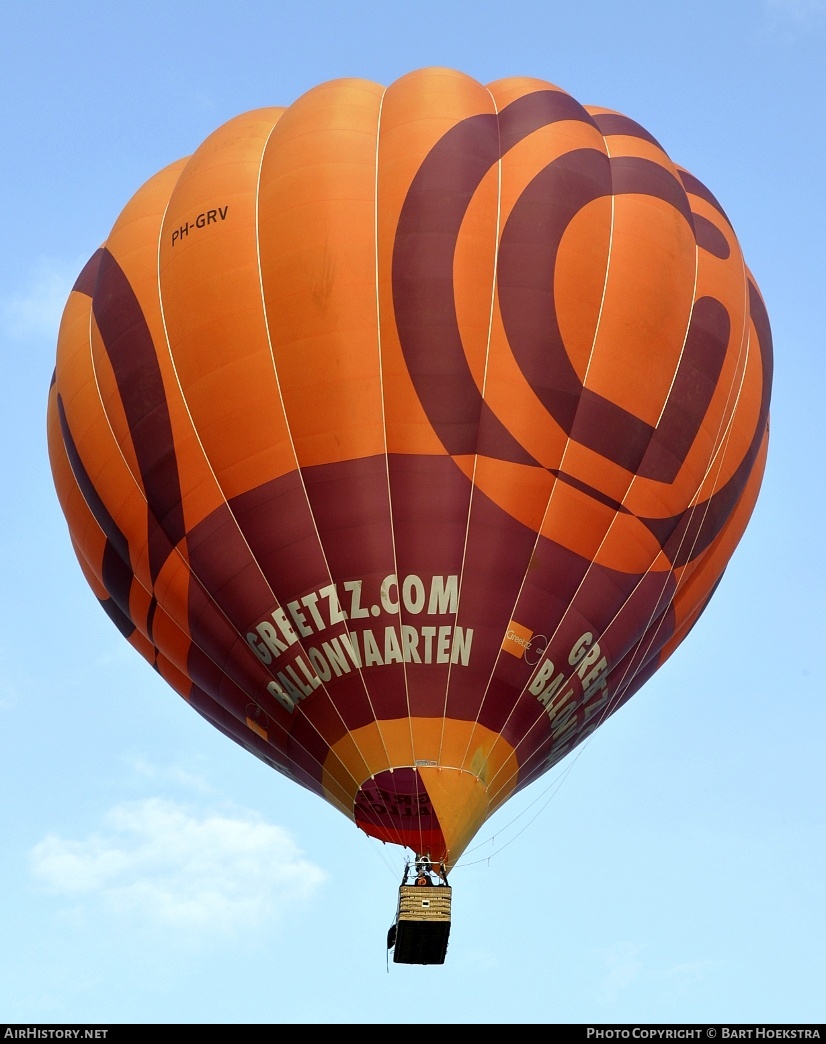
394,806
432,809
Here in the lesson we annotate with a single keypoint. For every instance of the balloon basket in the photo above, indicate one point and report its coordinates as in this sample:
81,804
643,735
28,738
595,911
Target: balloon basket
422,924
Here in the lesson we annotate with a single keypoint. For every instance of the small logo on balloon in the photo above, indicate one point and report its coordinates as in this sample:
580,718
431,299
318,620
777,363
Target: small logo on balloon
517,640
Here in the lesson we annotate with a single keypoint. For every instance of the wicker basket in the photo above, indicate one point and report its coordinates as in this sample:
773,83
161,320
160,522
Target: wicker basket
422,924
417,903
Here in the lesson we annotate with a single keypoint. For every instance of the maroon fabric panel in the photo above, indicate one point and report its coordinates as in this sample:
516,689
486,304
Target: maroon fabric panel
128,344
625,678
423,302
615,123
116,567
535,110
685,536
277,524
564,597
85,282
351,511
330,713
236,730
709,237
697,188
644,177
225,565
430,499
498,555
694,385
217,689
219,651
101,513
594,494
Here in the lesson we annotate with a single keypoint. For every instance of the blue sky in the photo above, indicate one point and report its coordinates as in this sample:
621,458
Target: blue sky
671,869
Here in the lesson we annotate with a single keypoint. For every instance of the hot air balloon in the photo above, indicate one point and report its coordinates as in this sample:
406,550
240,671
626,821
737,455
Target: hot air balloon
407,431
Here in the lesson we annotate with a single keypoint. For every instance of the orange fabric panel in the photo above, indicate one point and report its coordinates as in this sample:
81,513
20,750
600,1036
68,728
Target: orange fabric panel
521,491
96,445
214,315
318,265
509,88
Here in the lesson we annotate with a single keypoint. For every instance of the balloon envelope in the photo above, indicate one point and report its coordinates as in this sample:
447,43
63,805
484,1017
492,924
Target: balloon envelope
407,431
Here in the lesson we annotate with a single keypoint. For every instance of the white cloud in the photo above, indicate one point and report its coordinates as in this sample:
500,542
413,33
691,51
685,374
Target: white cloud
797,12
11,682
175,774
165,865
687,977
8,695
35,310
623,968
